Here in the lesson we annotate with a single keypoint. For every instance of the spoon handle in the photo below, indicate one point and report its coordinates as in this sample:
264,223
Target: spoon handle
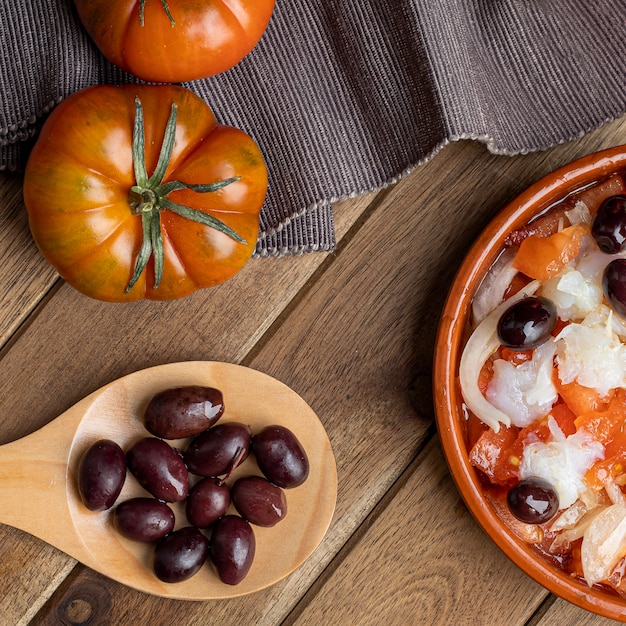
34,481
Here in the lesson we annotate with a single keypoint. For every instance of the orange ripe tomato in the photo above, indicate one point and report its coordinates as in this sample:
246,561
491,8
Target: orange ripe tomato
137,192
175,40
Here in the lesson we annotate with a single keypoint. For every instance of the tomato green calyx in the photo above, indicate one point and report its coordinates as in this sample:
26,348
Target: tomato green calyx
166,8
148,197
142,199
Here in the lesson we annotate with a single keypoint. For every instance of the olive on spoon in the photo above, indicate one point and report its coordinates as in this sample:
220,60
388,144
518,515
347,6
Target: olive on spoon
39,473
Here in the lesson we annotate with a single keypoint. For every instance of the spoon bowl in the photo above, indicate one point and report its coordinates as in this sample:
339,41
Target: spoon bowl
38,476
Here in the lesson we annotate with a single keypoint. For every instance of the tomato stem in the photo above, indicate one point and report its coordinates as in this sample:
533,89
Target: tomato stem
148,197
166,8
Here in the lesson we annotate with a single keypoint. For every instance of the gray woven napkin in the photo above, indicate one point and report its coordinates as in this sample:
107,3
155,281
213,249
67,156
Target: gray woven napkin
346,97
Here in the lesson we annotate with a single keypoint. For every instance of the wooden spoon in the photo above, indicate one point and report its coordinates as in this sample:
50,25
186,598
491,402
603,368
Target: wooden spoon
38,478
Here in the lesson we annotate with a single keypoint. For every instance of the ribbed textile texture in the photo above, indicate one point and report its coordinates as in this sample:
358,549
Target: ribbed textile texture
346,97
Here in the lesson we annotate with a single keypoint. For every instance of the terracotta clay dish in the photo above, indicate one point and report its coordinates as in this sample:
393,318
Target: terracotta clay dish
456,325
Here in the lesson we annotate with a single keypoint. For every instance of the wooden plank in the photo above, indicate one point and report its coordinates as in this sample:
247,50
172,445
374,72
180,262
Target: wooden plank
26,276
562,612
423,556
27,587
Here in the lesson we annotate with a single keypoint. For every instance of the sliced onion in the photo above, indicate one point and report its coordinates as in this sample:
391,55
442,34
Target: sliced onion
579,214
491,291
482,343
604,544
616,495
569,518
565,538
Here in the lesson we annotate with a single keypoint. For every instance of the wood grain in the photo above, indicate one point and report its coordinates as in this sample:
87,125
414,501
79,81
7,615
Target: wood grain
57,379
397,571
26,276
352,332
562,613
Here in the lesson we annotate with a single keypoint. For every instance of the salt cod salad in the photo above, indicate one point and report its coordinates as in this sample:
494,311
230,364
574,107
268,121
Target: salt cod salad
543,380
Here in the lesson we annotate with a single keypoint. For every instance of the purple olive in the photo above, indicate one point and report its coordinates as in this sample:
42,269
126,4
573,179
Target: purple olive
258,501
101,475
609,225
614,285
533,501
216,451
232,548
143,519
208,500
280,456
180,555
183,411
159,469
527,323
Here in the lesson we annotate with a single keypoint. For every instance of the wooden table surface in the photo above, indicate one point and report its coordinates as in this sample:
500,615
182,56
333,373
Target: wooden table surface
353,333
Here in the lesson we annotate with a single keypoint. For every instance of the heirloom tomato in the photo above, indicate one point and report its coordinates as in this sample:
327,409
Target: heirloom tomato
175,40
137,192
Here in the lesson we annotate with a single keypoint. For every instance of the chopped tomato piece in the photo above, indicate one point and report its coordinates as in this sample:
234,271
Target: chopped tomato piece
474,427
499,455
559,326
537,431
609,468
605,425
544,257
581,400
608,427
486,374
616,447
564,417
492,454
597,423
516,357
